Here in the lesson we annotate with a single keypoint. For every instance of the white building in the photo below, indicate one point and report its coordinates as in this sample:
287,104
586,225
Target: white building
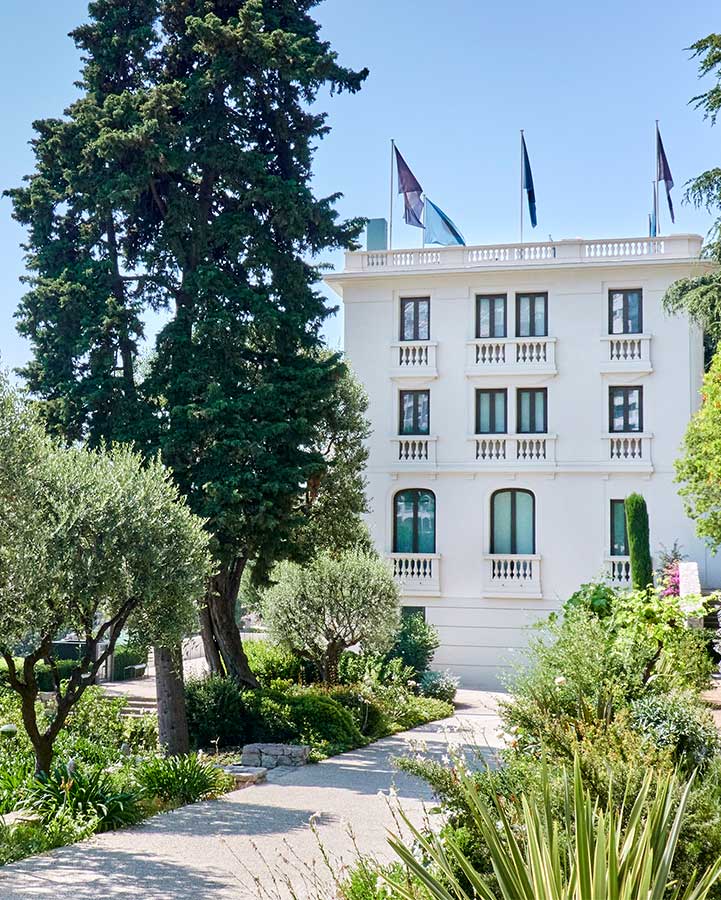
517,394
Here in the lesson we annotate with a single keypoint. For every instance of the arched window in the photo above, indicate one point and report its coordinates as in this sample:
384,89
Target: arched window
414,522
513,522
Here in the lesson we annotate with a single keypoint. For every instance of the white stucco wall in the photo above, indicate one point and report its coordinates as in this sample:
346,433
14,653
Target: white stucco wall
483,634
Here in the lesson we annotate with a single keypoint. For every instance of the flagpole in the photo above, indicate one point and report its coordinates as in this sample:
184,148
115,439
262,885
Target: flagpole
390,215
521,154
655,183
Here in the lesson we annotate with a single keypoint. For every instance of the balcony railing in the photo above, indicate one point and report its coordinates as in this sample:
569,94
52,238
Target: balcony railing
416,448
512,575
626,353
629,448
416,359
618,570
551,253
518,449
417,573
491,356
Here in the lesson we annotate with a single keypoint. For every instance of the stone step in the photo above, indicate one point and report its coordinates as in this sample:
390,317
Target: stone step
245,775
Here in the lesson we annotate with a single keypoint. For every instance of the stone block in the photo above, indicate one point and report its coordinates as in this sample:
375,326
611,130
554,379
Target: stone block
271,756
246,775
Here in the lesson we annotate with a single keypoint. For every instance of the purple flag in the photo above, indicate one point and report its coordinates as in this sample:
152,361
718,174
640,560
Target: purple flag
410,188
663,172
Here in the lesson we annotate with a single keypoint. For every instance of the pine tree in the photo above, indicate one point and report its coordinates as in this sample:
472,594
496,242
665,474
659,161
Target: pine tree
180,181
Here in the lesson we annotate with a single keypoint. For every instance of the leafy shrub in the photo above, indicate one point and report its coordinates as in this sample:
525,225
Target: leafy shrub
415,644
441,685
597,597
676,721
16,771
140,733
368,714
215,711
124,656
540,861
271,661
28,838
85,793
218,709
43,673
181,779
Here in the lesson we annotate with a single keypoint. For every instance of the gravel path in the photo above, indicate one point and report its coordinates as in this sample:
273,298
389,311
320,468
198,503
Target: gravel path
233,848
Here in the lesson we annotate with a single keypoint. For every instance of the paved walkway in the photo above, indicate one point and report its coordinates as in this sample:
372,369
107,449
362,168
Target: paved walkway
229,849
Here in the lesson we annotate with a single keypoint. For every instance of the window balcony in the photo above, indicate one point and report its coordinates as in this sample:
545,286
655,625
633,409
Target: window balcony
415,449
515,450
618,570
517,356
512,575
626,354
629,449
417,573
413,359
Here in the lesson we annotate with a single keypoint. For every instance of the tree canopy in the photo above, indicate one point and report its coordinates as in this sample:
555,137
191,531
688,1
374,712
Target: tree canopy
699,467
180,182
700,297
91,542
337,601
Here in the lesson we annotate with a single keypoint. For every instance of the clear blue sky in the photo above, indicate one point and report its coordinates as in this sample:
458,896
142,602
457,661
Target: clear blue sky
453,83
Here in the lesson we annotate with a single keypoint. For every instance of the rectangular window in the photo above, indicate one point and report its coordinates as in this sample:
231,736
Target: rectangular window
416,319
532,412
625,409
491,316
491,412
414,412
531,315
625,312
619,538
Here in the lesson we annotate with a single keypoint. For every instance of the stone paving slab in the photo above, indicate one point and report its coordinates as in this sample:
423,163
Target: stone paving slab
229,849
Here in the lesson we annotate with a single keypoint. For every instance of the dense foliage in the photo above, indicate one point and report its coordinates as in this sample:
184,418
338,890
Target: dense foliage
598,745
91,542
181,180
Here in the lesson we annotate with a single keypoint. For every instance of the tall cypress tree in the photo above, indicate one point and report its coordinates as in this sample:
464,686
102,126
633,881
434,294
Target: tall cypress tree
180,181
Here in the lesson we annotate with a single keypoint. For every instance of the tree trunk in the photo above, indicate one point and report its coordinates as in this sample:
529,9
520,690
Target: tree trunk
210,645
172,716
220,600
330,664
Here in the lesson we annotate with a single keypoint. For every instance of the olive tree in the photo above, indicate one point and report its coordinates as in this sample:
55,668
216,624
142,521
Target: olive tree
335,602
91,542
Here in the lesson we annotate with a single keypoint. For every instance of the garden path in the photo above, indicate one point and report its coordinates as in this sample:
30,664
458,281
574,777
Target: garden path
240,846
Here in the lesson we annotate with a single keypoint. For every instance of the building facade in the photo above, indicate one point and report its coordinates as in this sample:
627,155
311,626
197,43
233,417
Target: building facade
518,394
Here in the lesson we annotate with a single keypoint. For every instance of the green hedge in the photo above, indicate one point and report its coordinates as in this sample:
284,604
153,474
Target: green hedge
43,673
219,710
124,657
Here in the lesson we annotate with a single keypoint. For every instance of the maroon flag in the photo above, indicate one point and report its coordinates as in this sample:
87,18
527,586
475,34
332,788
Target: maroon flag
409,186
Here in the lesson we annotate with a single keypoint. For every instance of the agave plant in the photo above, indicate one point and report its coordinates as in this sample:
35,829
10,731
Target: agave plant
611,854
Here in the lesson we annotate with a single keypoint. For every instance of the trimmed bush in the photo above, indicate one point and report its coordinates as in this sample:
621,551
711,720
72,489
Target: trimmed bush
639,546
441,685
43,673
270,661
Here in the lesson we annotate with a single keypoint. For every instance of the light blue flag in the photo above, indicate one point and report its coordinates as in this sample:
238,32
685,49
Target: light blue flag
439,228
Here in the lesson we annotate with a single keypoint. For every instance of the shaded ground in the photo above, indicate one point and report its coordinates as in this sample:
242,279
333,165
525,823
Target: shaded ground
231,847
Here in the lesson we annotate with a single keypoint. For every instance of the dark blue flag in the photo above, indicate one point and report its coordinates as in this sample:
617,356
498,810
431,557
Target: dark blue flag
527,182
663,172
409,186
